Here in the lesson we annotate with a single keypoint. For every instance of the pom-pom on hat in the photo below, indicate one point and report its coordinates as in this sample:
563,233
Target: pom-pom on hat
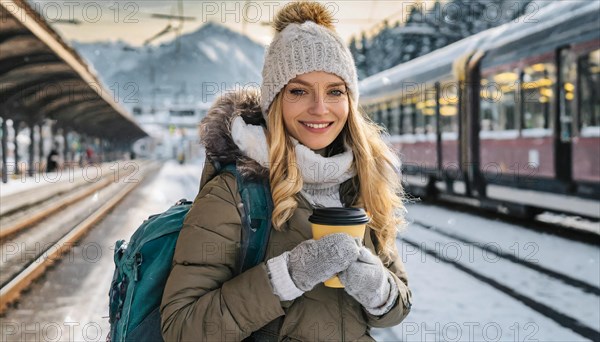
305,41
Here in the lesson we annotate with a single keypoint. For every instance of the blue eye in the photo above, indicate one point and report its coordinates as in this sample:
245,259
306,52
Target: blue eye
297,92
336,92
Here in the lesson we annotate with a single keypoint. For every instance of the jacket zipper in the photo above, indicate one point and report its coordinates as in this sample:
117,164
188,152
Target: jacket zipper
340,300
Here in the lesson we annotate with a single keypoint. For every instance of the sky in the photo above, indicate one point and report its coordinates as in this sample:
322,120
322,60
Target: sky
135,21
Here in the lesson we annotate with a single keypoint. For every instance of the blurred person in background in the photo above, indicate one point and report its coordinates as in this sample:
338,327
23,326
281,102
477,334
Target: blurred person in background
53,159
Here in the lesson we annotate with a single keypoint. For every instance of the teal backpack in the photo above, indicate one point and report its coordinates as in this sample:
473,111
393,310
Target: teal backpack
143,264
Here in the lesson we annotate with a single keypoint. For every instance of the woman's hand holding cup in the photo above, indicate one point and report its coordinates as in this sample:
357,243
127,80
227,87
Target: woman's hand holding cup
337,234
314,261
311,262
331,221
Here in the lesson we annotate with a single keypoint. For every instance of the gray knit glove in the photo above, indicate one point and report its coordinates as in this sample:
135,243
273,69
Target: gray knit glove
370,283
310,263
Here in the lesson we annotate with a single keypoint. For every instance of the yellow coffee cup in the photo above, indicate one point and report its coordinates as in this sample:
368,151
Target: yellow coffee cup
325,221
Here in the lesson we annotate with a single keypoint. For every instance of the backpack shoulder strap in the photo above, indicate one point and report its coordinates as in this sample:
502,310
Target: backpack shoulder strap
257,207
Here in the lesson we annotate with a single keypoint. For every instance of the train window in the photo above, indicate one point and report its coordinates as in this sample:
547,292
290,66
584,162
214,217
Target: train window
370,110
408,116
589,83
366,110
373,112
498,99
449,107
538,82
425,112
394,118
568,79
419,121
383,116
430,111
376,114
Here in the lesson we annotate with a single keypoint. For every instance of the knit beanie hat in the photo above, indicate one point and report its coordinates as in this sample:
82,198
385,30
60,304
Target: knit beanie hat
305,41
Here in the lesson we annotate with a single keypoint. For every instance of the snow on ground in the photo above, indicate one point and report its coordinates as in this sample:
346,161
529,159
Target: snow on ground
22,182
174,182
561,297
449,305
578,260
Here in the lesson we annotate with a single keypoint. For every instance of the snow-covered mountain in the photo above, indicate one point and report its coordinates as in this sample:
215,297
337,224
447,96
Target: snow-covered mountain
186,71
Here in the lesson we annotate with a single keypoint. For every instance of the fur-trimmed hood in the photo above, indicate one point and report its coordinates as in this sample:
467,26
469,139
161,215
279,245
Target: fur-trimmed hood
215,133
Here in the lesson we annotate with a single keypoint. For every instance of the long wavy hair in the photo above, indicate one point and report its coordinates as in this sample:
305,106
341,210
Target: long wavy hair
380,190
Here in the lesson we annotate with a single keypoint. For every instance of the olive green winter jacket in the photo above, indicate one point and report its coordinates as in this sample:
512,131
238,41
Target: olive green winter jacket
204,301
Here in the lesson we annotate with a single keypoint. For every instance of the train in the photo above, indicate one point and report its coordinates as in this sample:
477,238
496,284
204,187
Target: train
507,119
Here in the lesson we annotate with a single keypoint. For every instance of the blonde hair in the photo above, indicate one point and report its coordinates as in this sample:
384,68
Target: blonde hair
380,188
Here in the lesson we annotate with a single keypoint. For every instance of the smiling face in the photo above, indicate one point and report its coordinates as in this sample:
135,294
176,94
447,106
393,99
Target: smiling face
315,108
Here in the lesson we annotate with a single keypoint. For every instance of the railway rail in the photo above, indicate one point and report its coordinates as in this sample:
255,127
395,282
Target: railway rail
37,235
27,208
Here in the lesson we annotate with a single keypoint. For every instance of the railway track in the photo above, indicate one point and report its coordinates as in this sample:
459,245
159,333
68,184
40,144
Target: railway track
25,209
35,236
556,295
564,225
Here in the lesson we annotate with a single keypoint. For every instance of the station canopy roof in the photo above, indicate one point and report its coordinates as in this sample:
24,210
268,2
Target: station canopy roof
41,77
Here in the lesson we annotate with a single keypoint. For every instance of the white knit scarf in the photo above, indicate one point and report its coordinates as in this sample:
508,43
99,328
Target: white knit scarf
321,176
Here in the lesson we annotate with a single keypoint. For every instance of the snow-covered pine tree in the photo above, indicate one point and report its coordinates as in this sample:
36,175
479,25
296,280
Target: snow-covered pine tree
357,51
426,31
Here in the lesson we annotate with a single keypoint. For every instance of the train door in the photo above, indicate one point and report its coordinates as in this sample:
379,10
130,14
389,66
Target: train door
564,119
438,132
470,127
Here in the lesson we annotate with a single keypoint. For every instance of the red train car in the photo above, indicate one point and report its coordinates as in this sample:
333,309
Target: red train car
508,118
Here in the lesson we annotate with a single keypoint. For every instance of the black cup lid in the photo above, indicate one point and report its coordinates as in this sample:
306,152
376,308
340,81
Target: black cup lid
339,216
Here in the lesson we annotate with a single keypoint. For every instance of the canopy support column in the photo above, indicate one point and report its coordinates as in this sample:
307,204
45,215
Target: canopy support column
4,151
31,149
16,126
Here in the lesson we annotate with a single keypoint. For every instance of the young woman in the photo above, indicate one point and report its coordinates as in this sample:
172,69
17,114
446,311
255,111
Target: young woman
304,134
